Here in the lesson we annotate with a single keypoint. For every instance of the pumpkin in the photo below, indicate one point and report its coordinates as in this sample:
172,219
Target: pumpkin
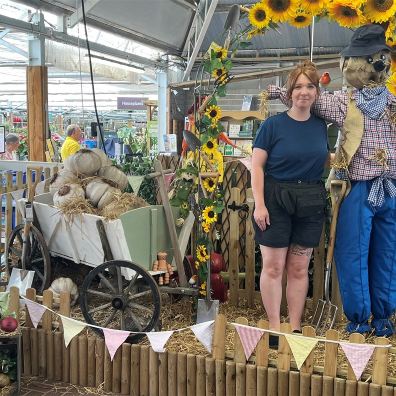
116,175
61,178
68,192
105,160
83,163
4,380
107,197
95,189
60,285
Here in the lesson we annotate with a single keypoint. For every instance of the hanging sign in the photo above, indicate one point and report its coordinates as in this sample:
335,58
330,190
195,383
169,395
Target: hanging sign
130,103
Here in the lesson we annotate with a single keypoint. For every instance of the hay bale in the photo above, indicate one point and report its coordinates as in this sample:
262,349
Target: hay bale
121,204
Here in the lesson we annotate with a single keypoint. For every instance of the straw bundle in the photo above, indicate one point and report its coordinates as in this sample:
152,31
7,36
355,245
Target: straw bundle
76,206
121,204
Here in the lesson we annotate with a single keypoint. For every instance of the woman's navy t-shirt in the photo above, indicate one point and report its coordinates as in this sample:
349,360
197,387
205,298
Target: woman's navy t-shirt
297,150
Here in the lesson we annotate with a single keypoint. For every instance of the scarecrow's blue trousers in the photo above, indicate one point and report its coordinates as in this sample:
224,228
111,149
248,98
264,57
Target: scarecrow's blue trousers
365,257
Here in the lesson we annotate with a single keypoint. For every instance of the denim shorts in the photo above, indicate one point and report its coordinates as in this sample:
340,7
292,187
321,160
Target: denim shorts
296,211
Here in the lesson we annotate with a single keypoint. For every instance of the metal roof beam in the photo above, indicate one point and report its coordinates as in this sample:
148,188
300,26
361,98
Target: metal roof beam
77,16
13,48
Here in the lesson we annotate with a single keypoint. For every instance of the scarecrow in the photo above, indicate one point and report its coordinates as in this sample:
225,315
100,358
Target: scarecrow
365,247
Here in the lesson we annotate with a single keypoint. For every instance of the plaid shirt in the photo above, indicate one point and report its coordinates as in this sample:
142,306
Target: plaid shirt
377,134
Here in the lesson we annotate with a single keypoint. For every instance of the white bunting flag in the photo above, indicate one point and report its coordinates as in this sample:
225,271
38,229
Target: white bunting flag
301,347
36,311
249,336
71,328
135,182
113,339
358,356
158,339
204,333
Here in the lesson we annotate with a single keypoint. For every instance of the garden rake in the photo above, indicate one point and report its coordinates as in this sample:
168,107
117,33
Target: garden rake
325,312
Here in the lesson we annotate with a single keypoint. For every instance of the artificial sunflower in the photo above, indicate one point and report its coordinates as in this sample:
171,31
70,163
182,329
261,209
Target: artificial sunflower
258,16
390,33
280,10
216,159
202,254
184,205
210,146
221,53
300,19
219,72
209,215
313,7
209,184
205,227
197,264
202,289
380,10
214,113
346,13
391,83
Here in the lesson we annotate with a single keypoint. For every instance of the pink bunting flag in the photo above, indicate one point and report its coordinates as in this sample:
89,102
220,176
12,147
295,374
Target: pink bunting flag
249,336
168,177
158,339
36,311
358,356
113,339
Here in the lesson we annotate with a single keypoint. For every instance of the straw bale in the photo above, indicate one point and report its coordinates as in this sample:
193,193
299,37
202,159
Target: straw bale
121,204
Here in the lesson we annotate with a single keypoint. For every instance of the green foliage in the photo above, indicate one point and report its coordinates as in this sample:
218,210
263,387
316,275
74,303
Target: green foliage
137,139
8,363
22,151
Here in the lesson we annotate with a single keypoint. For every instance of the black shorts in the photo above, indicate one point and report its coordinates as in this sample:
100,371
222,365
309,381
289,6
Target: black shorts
296,212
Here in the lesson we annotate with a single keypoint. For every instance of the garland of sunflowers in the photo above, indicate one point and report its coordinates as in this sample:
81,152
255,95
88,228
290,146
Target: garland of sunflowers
197,185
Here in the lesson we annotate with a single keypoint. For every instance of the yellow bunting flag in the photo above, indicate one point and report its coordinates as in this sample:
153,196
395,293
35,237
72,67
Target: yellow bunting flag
71,328
301,347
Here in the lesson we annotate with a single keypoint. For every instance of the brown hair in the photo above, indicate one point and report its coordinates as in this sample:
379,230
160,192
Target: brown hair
309,70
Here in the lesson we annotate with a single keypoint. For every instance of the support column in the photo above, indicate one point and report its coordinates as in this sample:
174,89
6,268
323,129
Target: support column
162,79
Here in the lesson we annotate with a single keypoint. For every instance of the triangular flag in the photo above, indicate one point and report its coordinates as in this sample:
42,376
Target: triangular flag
36,311
204,333
113,339
71,328
358,356
135,182
301,347
18,194
168,177
249,336
247,161
158,339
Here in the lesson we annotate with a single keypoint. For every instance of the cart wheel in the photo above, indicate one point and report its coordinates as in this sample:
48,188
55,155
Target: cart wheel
109,300
37,260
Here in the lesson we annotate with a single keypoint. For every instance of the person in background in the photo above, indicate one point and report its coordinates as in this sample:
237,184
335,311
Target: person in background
11,146
289,156
72,142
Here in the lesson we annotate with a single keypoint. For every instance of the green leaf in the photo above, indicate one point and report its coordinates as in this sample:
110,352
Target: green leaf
219,208
221,90
228,65
244,44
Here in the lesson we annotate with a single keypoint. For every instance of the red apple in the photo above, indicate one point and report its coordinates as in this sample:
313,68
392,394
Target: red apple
9,324
217,263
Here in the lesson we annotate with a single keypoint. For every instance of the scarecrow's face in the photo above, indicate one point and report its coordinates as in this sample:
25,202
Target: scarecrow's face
362,71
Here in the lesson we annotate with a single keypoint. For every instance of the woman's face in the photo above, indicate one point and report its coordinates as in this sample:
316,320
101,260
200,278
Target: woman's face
304,92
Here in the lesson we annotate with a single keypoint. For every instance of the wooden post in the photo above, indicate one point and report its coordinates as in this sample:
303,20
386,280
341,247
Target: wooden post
230,378
42,348
218,350
31,295
358,339
64,306
91,369
47,317
200,378
66,362
50,356
240,379
305,384
380,361
58,349
307,367
135,371
74,361
116,371
27,362
294,383
262,347
387,390
331,350
108,372
153,372
250,254
363,389
375,390
144,370
82,360
283,383
37,105
262,380
272,381
350,388
233,266
316,384
99,367
125,369
239,353
339,387
172,373
284,352
13,303
251,380
328,387
220,378
34,351
210,371
163,374
181,374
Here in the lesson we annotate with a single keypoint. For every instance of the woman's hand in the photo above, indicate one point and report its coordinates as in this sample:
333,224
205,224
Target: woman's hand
261,217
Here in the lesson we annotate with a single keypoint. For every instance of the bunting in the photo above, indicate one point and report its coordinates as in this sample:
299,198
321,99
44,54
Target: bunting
301,347
135,182
168,177
71,328
36,311
204,333
249,336
113,340
358,356
158,339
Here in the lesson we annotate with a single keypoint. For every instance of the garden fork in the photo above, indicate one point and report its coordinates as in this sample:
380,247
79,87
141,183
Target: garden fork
325,312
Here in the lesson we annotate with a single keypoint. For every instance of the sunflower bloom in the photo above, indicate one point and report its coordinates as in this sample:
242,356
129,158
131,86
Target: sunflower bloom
210,146
202,289
313,7
209,215
391,84
184,205
205,227
380,10
280,10
221,53
214,113
346,13
390,33
209,184
197,264
258,16
219,72
202,254
301,19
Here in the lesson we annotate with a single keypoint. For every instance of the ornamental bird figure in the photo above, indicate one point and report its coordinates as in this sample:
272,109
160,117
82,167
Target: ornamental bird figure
324,80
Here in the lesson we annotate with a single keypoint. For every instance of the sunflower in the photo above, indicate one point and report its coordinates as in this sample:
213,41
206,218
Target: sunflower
219,72
391,84
205,227
280,10
300,19
202,254
313,7
209,184
258,16
209,215
184,205
202,289
221,53
346,13
379,10
210,146
214,113
390,33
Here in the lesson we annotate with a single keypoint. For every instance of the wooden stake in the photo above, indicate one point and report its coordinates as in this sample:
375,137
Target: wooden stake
108,372
99,366
163,374
181,374
230,378
50,356
307,367
27,358
283,382
272,381
82,360
380,361
262,380
262,347
13,303
58,352
134,389
358,339
251,380
144,370
126,367
250,253
339,387
116,372
239,353
328,388
34,351
42,348
350,388
363,389
294,383
200,379
220,378
316,384
47,317
74,360
305,384
66,362
375,390
331,350
153,370
284,352
31,295
91,369
218,350
210,376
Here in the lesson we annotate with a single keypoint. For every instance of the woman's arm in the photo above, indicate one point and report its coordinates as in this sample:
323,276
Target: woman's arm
261,215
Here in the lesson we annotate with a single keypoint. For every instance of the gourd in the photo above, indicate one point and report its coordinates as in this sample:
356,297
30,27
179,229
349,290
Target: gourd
108,197
95,189
68,192
105,160
61,178
114,174
83,163
60,285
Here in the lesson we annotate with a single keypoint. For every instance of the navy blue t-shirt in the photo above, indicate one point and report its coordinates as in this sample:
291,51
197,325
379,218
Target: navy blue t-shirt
297,150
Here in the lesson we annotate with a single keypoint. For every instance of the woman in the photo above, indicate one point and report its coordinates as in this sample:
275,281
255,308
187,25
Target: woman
288,160
11,146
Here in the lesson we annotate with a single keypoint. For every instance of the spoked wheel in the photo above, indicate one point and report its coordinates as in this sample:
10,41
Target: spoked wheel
109,300
37,258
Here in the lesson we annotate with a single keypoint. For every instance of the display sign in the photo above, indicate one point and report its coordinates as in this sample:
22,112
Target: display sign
130,103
